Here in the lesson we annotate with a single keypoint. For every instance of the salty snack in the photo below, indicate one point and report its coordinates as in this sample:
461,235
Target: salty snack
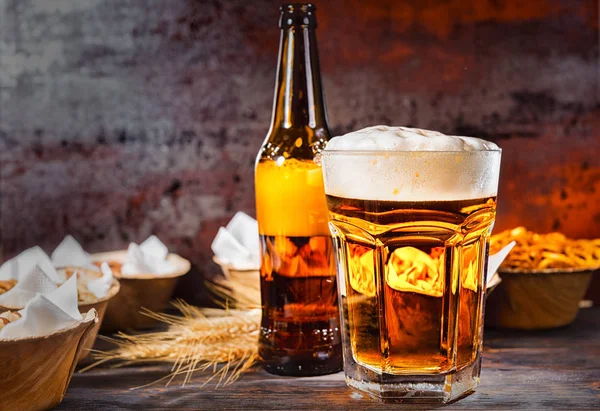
84,278
8,317
7,285
534,252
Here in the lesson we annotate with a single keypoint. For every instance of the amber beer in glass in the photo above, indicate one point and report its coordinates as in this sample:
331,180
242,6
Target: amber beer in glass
411,233
299,332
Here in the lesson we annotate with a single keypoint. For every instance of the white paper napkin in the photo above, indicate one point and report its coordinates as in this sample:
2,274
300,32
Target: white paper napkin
153,247
245,229
147,258
237,244
45,314
100,286
36,281
16,268
494,263
69,253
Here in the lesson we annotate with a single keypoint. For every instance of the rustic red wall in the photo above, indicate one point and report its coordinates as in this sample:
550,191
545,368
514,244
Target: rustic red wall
121,119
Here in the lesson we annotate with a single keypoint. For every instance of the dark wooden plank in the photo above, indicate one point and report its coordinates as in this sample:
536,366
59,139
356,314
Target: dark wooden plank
521,370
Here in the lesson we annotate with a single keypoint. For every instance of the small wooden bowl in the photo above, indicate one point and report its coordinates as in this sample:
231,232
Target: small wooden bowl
36,371
535,300
244,284
100,306
149,291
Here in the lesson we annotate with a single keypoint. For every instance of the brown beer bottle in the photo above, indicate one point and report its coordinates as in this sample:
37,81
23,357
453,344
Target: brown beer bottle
300,320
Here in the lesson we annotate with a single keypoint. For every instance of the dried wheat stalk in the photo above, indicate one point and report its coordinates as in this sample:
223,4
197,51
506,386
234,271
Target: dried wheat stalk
197,340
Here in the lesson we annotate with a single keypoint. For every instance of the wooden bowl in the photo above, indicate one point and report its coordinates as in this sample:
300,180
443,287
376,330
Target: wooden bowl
534,300
36,371
149,291
244,284
100,307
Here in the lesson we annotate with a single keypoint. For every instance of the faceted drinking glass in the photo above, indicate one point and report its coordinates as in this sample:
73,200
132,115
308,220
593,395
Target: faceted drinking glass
411,236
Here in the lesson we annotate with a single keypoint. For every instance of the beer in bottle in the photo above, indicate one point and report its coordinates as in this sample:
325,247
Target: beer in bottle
300,321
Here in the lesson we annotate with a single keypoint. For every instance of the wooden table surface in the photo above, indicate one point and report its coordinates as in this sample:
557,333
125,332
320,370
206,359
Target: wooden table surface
557,369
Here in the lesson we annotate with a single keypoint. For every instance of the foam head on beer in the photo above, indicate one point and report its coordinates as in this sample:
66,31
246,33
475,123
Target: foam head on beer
408,164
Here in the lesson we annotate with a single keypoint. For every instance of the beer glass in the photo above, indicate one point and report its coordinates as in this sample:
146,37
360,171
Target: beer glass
411,236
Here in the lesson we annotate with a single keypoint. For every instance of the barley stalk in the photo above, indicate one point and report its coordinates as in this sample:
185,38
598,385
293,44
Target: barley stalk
224,340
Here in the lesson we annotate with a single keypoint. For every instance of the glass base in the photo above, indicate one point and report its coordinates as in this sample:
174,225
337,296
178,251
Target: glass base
425,388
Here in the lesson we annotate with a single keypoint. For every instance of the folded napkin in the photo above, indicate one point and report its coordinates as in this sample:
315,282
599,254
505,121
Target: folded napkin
36,281
100,286
237,244
16,268
150,257
70,253
494,262
45,314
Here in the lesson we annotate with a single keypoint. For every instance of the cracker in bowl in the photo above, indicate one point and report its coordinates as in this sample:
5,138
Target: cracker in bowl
552,251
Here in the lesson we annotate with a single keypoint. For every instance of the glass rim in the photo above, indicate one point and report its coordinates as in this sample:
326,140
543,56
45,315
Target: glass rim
405,152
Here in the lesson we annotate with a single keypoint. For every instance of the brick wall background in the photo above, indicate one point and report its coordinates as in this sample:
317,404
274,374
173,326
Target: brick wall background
119,119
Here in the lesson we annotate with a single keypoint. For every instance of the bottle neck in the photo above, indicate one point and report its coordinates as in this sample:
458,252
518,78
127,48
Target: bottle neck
299,101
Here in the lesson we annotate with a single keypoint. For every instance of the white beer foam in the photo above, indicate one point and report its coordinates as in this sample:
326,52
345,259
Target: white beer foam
407,164
386,138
